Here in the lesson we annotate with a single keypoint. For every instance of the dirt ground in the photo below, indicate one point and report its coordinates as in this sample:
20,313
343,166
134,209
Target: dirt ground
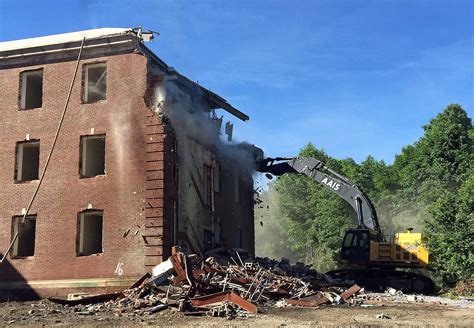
396,315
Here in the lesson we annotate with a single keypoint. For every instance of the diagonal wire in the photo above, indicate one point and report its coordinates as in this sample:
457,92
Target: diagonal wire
50,152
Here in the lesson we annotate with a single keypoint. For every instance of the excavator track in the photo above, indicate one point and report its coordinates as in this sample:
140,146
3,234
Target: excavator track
380,280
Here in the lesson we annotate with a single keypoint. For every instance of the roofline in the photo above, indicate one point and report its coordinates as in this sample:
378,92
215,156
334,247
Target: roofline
56,39
63,47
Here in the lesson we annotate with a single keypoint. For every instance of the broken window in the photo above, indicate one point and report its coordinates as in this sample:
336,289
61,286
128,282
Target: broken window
208,185
24,244
27,161
89,233
31,89
95,82
92,156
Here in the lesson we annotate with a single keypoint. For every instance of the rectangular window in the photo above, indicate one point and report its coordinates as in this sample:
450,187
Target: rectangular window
95,83
31,89
92,156
24,245
27,161
89,233
208,185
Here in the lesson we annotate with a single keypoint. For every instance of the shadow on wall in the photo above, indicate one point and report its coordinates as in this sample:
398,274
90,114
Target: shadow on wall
10,278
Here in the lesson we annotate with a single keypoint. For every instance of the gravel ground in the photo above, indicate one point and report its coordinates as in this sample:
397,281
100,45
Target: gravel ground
381,314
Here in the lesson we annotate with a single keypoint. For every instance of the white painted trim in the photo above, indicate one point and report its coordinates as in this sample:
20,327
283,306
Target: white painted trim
61,38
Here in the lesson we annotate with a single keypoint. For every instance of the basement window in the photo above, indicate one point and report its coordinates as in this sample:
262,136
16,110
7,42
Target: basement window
95,83
24,245
27,161
89,233
31,87
92,155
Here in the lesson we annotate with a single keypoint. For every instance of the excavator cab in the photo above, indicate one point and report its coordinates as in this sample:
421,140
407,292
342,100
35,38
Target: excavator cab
356,246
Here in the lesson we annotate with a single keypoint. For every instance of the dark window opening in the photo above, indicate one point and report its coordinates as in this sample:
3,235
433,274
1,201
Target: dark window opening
24,245
27,161
92,156
95,83
236,189
238,238
31,89
208,185
208,236
217,178
89,233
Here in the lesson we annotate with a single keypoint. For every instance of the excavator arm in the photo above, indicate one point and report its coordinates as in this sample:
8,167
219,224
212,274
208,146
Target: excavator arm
340,185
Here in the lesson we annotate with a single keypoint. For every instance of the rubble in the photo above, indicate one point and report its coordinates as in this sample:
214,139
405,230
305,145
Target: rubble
226,284
394,296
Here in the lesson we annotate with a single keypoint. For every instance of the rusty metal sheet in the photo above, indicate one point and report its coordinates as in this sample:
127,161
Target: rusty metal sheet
181,273
318,298
349,292
216,299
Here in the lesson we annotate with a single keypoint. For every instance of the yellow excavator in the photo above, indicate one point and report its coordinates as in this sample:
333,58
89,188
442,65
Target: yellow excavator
373,260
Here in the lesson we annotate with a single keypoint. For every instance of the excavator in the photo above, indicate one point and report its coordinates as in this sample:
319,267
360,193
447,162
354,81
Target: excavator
372,259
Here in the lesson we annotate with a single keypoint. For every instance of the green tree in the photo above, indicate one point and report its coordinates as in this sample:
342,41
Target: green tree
450,234
314,219
439,160
436,164
431,182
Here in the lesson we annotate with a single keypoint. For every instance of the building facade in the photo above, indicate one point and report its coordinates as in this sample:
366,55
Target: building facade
125,181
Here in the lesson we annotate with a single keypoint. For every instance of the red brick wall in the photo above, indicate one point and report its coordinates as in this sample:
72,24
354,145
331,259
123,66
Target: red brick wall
131,193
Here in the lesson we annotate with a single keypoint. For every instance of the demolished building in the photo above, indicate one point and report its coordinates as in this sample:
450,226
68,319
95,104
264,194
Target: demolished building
137,167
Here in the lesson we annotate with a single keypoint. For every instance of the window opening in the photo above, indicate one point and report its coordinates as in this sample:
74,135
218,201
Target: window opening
92,156
95,84
24,245
89,236
27,161
31,89
238,238
208,185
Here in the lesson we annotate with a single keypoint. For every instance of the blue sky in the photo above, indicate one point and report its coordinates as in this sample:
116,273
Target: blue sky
352,77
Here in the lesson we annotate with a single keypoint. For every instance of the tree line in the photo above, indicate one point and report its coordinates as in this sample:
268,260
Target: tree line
429,187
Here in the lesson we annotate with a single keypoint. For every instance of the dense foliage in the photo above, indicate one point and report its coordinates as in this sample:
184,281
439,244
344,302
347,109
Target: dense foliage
430,187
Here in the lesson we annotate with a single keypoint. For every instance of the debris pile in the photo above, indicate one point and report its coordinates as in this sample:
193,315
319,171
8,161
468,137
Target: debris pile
227,284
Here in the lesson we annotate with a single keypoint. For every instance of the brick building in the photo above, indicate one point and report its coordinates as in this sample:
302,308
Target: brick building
137,166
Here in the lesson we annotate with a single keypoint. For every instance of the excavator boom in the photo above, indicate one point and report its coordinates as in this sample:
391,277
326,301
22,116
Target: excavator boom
365,246
340,185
